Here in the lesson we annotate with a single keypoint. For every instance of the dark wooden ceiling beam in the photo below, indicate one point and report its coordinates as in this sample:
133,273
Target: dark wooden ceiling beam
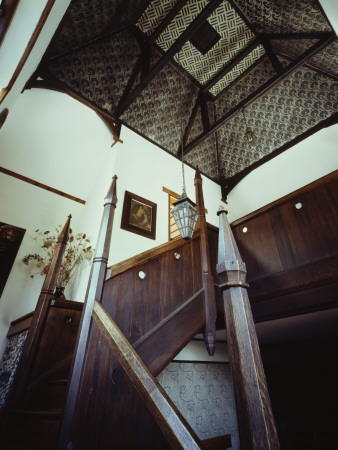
242,75
264,88
264,42
190,123
311,67
166,21
175,48
230,65
204,112
272,55
87,44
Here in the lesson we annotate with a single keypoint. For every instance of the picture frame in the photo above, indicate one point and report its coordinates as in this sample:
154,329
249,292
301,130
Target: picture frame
10,241
139,215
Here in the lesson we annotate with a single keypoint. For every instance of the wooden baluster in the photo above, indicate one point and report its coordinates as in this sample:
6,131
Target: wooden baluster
207,278
94,293
39,316
254,415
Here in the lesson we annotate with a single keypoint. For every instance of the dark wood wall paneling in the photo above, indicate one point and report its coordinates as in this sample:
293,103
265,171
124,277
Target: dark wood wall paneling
292,254
35,421
138,307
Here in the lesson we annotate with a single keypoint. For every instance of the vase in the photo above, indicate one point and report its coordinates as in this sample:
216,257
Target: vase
58,293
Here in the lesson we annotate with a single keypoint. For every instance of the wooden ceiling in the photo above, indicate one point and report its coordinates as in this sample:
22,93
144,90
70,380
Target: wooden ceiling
137,62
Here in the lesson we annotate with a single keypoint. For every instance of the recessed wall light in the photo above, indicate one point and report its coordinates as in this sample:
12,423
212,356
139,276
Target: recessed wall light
142,274
298,205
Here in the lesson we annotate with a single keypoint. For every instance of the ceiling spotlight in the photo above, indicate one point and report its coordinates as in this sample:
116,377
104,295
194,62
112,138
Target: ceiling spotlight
249,135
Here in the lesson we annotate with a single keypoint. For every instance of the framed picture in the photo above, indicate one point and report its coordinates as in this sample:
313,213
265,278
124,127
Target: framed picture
10,241
139,215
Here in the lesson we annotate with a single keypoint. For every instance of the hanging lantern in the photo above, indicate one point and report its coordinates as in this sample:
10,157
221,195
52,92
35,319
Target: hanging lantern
185,216
249,135
184,212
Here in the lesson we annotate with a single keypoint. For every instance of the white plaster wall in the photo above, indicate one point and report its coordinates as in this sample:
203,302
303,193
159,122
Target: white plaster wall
26,17
28,207
302,164
54,140
143,169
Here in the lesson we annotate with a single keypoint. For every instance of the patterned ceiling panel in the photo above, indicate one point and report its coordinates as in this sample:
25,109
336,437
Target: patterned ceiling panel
295,105
99,73
161,112
180,23
197,126
237,70
239,90
86,20
205,157
292,47
327,59
281,16
154,14
234,35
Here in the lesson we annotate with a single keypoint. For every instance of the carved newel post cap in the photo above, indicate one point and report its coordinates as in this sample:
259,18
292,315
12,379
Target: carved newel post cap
222,210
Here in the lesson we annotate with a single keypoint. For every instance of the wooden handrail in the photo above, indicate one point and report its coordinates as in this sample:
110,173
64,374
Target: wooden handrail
134,261
172,424
168,318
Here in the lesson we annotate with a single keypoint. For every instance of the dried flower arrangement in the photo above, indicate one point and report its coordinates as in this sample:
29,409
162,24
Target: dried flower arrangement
77,251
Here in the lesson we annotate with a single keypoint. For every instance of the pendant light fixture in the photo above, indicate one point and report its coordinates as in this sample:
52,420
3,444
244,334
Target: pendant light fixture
184,211
249,135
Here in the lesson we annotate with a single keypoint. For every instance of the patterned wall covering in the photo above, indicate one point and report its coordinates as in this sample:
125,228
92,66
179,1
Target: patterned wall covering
204,395
9,364
204,156
238,70
235,35
271,16
327,59
92,18
292,47
154,14
293,106
255,78
99,72
163,108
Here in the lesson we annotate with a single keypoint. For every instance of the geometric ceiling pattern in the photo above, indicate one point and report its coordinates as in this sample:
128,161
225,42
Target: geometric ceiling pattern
234,36
183,73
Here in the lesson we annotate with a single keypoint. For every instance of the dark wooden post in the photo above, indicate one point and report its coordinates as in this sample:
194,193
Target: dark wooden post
94,293
38,320
254,415
207,278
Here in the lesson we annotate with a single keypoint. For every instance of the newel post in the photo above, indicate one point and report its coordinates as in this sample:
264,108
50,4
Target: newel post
207,278
94,293
38,320
254,415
